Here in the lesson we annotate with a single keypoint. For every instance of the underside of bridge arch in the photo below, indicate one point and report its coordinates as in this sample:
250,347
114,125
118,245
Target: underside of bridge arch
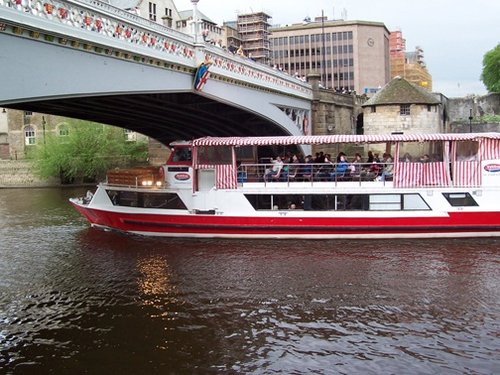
162,116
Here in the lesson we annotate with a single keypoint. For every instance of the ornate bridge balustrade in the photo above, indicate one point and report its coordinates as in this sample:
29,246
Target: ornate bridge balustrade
98,27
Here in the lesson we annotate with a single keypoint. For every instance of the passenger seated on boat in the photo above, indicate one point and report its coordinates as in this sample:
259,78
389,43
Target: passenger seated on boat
407,158
371,158
373,172
88,197
325,170
356,166
320,157
293,168
425,158
340,169
388,170
307,170
242,174
275,170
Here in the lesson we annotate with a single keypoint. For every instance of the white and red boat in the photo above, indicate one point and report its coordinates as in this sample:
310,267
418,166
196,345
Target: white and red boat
217,187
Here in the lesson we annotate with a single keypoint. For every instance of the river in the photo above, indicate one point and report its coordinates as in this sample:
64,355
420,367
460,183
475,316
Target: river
78,300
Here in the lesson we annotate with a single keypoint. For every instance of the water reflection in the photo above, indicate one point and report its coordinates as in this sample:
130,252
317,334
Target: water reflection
74,299
156,287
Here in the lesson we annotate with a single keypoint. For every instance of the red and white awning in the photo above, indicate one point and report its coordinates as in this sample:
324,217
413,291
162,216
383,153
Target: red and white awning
329,139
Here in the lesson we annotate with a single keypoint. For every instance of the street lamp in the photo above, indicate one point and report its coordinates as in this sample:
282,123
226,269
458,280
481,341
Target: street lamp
470,121
43,127
323,63
195,19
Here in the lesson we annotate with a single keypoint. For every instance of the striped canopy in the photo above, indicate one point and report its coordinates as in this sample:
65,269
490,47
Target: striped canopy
329,139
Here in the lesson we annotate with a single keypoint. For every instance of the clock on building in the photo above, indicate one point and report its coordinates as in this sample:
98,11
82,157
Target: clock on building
370,42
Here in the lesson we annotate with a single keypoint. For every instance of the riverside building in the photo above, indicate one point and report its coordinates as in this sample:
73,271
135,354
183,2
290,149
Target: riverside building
349,55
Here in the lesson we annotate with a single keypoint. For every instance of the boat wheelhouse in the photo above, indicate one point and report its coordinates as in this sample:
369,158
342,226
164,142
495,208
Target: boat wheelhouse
228,187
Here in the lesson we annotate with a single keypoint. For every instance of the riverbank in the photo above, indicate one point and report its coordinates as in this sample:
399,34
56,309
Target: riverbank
20,174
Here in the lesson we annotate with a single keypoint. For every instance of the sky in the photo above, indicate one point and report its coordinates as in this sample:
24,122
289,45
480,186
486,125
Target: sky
454,34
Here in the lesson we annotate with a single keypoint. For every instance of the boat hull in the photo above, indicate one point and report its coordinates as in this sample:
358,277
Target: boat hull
453,224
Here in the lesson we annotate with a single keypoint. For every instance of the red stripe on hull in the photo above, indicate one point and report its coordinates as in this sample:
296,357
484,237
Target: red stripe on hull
463,222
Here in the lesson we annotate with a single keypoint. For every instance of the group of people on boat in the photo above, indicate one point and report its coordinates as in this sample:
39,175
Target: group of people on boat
323,167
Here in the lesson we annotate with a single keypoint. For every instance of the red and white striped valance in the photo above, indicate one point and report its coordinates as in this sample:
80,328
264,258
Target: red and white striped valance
326,139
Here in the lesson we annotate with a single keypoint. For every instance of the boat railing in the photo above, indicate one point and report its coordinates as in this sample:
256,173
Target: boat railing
143,178
315,172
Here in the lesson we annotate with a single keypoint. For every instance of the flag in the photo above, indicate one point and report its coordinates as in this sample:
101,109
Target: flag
201,76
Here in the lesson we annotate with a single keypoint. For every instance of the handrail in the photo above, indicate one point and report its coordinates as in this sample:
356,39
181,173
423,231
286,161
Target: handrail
313,172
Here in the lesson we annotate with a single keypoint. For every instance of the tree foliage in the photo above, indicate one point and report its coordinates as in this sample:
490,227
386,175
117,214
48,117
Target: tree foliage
491,69
87,152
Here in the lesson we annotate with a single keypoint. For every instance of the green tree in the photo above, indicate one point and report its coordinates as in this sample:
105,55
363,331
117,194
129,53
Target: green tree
491,69
87,152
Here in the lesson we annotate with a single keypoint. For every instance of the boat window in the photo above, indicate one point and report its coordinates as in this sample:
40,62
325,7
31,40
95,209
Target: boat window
276,201
414,202
338,202
460,199
245,153
146,200
424,152
467,150
384,202
212,155
181,154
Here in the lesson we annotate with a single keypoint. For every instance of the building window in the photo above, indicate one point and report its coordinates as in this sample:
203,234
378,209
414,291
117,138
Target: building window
130,136
373,109
404,109
29,135
152,11
63,131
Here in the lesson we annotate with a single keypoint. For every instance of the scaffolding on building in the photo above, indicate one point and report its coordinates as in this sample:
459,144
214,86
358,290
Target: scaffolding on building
254,33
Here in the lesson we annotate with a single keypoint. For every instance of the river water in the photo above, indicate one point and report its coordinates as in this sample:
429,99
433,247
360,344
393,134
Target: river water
78,300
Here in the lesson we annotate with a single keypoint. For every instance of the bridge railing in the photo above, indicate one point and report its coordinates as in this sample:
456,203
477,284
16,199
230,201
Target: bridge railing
134,18
102,24
250,72
108,29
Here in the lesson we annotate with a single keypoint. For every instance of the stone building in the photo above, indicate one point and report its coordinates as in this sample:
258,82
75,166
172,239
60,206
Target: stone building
27,129
21,131
402,107
160,11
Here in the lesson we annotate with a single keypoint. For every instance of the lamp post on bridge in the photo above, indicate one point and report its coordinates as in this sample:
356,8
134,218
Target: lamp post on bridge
470,121
195,20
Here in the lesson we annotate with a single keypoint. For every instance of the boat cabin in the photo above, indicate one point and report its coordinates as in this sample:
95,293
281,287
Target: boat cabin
228,163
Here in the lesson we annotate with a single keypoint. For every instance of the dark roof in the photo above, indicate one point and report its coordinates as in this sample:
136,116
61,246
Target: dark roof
400,91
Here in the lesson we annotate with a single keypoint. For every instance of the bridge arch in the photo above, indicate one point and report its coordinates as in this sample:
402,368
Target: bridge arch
142,87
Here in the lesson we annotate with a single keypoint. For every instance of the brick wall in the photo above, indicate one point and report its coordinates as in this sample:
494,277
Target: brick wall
19,173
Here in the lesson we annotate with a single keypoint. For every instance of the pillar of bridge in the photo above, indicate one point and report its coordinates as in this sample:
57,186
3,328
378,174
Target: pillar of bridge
313,79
